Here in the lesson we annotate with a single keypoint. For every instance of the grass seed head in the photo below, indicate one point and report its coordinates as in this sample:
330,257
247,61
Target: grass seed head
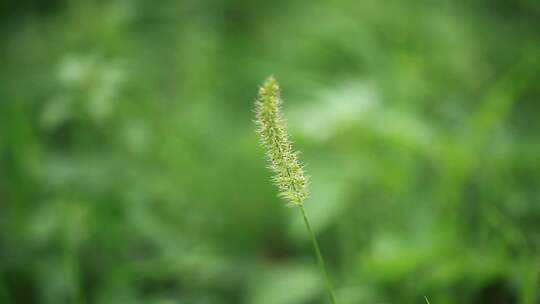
283,160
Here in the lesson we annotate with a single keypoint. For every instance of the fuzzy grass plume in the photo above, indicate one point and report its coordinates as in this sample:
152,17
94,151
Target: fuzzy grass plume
289,174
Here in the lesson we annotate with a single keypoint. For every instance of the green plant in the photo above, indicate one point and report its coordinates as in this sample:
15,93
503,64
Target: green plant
283,161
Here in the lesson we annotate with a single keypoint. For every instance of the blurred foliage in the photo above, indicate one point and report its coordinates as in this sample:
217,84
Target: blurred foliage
130,171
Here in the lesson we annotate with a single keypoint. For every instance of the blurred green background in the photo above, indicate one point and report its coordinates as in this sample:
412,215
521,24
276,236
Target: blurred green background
130,171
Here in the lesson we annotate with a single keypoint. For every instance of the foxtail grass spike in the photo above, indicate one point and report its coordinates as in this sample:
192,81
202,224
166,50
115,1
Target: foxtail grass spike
288,173
283,160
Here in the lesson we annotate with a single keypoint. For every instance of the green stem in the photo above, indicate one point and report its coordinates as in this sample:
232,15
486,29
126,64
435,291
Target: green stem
320,260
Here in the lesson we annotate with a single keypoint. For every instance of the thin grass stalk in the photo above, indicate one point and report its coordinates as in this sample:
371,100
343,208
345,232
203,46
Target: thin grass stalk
320,259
